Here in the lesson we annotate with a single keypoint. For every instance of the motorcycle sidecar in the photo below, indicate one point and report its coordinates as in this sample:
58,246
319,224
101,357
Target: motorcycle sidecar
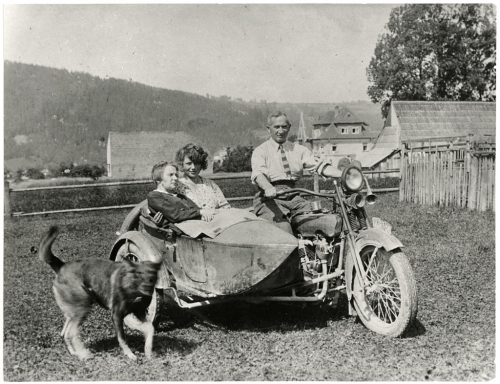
249,256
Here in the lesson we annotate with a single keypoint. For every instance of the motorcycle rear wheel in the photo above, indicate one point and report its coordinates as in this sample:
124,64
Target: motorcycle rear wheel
388,305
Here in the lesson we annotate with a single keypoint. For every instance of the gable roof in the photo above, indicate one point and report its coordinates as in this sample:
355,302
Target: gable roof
339,115
435,119
369,159
387,138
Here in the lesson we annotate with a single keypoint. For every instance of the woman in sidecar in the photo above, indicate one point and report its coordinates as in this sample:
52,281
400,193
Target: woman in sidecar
238,256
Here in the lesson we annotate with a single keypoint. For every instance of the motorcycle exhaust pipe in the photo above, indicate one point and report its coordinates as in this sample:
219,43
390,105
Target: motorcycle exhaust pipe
356,201
370,197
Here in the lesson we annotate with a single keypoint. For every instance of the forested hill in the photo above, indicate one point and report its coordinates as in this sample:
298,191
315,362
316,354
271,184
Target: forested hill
53,115
68,115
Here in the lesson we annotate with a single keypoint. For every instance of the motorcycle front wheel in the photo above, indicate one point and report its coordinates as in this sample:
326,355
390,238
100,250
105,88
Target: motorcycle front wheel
388,304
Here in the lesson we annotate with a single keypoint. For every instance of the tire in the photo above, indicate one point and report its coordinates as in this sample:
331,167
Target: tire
389,305
130,251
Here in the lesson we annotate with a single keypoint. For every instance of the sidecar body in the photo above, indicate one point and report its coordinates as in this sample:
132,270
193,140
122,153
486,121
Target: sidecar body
243,255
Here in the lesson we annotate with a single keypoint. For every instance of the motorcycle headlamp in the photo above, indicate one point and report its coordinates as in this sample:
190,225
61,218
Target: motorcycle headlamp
352,178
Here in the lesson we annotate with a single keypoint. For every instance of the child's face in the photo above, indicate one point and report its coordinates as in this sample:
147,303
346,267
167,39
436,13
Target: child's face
169,178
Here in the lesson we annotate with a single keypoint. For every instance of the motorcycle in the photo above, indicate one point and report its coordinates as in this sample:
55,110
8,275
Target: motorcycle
333,250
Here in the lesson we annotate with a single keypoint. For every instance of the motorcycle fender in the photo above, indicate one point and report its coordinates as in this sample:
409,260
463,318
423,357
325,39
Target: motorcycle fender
150,250
371,236
376,236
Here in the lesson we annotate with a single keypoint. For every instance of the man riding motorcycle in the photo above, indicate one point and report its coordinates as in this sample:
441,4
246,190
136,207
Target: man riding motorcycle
276,165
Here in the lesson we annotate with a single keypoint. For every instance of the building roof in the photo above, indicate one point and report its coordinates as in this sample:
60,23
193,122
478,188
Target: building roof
328,118
388,138
370,158
133,154
434,119
339,115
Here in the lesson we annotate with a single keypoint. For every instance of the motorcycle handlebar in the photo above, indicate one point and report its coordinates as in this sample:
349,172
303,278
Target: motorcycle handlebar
292,190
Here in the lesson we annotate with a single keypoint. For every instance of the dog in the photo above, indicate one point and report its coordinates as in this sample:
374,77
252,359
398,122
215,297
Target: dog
122,287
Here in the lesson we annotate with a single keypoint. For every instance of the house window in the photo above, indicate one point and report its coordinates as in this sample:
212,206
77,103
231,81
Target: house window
343,130
365,147
334,148
354,130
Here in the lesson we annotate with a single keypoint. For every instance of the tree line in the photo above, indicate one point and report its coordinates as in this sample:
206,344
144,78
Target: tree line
66,116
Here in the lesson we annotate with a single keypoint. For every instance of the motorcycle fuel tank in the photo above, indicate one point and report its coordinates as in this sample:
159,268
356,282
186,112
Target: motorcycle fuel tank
310,223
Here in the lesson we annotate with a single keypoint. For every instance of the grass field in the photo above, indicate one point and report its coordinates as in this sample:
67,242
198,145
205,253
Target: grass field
452,252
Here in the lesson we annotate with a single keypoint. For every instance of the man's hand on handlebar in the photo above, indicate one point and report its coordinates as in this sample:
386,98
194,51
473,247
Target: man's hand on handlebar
270,192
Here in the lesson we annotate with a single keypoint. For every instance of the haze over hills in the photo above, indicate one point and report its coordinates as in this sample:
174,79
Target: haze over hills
54,116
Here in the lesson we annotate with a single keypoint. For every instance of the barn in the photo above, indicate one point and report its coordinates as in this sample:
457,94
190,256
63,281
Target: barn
436,121
132,155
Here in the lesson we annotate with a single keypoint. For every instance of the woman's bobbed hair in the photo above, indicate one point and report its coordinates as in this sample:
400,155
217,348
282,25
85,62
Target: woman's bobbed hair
157,171
195,153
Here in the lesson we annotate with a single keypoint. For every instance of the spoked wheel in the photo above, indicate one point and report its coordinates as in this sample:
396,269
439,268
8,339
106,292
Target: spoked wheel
388,304
129,251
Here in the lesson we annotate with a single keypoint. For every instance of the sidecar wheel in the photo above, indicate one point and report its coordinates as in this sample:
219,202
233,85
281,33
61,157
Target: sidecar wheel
389,304
130,251
132,221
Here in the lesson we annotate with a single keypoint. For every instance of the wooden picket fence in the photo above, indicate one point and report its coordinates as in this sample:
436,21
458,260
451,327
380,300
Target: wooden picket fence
458,173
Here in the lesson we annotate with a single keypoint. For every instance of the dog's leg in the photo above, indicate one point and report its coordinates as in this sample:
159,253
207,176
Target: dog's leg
67,339
75,304
65,325
72,339
146,328
120,334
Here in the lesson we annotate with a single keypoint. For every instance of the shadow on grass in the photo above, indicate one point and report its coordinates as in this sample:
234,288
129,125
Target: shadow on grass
415,329
263,317
162,344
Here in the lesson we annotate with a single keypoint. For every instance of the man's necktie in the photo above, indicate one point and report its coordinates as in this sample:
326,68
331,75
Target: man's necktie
284,161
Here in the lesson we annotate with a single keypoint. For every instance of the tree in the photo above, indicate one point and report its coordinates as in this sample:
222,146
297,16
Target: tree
34,174
435,52
237,160
87,170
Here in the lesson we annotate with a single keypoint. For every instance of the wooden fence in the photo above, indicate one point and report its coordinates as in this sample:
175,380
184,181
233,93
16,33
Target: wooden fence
8,191
460,173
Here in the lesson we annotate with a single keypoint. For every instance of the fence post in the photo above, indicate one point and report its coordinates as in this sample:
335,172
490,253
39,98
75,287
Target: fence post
6,199
402,178
473,183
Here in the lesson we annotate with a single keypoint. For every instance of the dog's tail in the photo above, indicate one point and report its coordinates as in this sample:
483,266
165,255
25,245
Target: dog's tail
45,250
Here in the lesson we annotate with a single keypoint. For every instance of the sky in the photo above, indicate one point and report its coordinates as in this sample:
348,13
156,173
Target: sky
275,52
